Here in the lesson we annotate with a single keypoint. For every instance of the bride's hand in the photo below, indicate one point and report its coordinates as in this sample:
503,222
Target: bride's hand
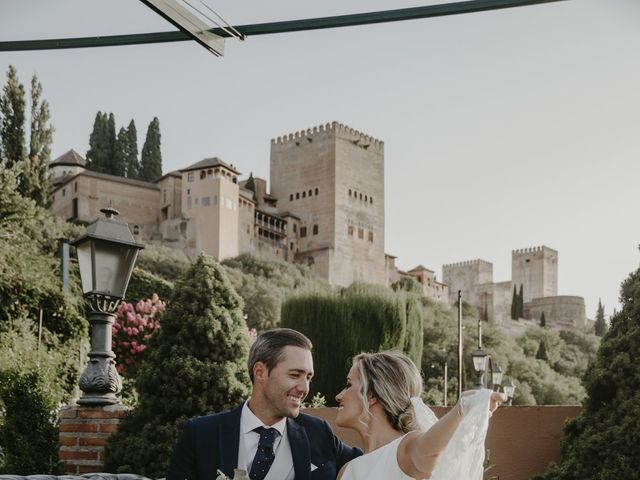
496,400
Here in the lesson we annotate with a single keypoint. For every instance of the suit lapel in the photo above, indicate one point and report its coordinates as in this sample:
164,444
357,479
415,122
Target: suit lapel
229,441
300,451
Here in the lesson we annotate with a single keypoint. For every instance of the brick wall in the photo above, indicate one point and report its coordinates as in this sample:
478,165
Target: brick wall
83,435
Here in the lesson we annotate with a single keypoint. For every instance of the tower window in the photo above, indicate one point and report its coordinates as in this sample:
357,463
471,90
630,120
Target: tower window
203,174
310,192
370,199
291,197
371,237
317,190
360,233
350,230
298,196
304,194
303,231
295,229
315,229
190,177
349,192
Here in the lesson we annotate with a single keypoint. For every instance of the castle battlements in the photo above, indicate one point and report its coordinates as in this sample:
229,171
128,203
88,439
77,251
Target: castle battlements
531,250
466,263
357,137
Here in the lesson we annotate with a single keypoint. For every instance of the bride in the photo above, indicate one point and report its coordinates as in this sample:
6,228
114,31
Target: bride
402,437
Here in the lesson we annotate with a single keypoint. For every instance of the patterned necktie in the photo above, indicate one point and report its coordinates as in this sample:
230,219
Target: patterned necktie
264,455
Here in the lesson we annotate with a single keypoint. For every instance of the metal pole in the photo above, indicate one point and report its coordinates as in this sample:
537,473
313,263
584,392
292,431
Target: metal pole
459,343
64,264
446,379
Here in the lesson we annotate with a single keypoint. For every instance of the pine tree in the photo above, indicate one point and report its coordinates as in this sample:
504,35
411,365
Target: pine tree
151,158
12,120
602,442
543,320
251,185
514,304
196,364
600,324
132,165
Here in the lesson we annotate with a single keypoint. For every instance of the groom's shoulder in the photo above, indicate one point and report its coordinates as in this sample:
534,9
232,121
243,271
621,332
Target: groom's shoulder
312,422
213,419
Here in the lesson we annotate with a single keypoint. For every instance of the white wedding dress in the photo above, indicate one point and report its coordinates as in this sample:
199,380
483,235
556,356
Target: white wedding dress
462,459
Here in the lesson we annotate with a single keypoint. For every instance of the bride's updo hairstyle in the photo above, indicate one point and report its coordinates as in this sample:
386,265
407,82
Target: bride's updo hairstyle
392,378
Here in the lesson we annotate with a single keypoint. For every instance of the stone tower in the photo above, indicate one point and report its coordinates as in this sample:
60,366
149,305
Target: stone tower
332,178
536,269
465,276
210,202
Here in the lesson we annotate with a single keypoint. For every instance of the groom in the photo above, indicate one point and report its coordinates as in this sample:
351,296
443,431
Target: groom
267,435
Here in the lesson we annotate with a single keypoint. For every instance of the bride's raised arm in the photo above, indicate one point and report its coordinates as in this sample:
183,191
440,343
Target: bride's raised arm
418,452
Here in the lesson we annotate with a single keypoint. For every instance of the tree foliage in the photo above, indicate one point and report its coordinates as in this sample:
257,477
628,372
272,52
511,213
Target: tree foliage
195,364
543,320
30,164
264,283
151,157
360,318
551,381
602,442
600,325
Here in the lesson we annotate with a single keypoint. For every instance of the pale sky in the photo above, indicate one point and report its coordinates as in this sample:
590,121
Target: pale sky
502,130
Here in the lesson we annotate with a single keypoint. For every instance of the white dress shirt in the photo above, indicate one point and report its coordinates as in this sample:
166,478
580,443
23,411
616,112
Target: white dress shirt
282,467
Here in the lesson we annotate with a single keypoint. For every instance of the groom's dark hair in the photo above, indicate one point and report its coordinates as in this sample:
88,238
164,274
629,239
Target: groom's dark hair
269,346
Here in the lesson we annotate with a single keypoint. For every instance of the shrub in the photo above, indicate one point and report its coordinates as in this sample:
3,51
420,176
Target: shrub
29,433
264,283
195,364
131,332
144,284
361,318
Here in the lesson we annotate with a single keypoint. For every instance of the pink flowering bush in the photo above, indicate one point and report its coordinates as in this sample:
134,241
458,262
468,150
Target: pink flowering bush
131,331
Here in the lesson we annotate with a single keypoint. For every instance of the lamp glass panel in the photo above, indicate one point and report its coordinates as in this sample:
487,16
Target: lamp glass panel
479,362
83,250
113,262
497,376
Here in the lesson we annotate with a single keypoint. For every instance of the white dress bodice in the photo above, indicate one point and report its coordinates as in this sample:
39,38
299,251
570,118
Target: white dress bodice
380,464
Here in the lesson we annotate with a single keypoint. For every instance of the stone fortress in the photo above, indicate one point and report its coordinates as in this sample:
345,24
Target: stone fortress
535,270
324,208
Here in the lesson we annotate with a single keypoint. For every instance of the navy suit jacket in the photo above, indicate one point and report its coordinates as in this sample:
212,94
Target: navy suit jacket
209,443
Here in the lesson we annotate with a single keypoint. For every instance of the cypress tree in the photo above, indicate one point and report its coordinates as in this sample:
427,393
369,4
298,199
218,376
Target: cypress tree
542,352
600,324
196,364
132,165
521,303
603,441
37,181
113,165
151,158
514,304
119,161
12,120
543,320
96,155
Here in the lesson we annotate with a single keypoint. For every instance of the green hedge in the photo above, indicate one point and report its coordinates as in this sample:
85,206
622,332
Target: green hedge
361,318
144,284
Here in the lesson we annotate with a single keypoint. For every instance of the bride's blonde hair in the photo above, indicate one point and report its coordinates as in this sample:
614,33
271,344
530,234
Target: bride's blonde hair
392,378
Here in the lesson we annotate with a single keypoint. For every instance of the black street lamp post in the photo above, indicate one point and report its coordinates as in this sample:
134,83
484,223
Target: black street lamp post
106,255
